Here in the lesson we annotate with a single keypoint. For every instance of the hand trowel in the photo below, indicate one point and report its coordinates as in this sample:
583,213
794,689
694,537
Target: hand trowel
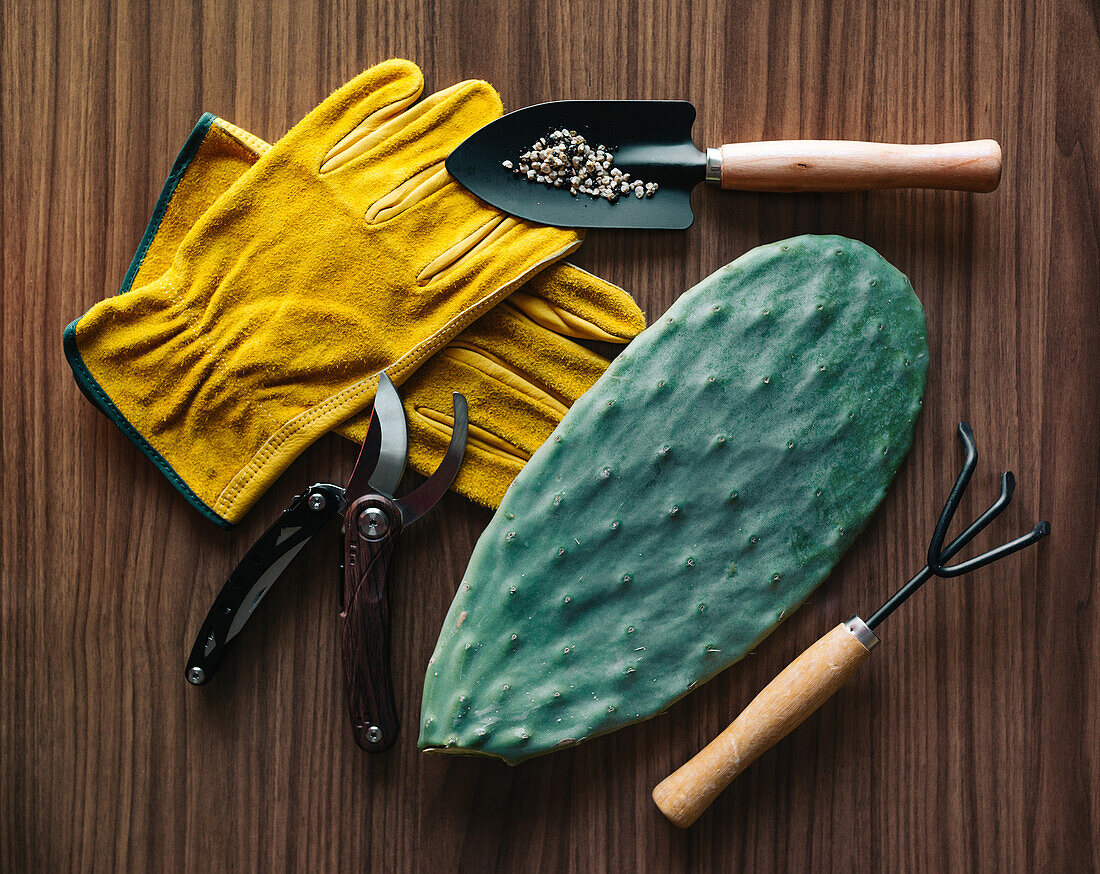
652,139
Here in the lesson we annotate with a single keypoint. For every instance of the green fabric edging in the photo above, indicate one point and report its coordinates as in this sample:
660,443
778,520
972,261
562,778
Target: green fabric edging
179,167
84,379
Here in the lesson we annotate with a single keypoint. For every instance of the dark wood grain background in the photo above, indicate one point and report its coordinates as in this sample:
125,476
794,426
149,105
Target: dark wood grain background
968,743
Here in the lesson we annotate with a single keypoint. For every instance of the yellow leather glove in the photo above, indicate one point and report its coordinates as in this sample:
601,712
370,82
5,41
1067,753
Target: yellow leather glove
344,250
515,364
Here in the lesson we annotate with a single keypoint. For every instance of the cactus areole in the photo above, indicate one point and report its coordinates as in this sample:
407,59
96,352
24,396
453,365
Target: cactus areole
686,504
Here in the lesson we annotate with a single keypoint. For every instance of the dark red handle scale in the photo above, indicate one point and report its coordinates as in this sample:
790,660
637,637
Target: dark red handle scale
371,526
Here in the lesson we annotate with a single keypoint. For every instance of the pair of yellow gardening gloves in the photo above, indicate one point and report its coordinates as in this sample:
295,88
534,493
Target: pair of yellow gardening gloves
274,282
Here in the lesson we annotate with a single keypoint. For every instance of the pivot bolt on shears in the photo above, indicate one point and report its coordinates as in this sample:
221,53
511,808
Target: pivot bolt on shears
373,518
812,678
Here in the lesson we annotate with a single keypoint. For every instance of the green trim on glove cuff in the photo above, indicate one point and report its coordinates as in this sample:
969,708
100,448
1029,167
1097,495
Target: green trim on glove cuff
94,392
179,168
87,383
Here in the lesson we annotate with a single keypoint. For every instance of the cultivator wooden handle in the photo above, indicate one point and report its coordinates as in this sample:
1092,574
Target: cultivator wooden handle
847,165
803,686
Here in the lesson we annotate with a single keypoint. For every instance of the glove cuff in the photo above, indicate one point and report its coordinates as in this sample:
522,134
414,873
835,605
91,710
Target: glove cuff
94,392
87,383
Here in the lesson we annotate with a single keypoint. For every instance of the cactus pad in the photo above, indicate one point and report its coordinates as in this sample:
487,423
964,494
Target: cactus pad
686,504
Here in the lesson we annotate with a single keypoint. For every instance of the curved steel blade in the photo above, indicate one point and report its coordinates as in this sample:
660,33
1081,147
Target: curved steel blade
425,496
382,458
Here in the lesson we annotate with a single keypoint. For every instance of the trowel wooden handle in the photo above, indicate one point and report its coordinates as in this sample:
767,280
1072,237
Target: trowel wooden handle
843,165
803,686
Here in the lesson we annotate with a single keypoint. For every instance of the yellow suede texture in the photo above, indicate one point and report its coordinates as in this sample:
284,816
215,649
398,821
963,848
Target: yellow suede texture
577,304
221,159
522,378
283,300
519,377
503,363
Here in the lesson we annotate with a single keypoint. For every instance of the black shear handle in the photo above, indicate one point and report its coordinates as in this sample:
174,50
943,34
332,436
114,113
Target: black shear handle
371,526
256,573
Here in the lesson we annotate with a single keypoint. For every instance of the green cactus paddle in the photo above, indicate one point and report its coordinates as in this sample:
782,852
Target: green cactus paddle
686,504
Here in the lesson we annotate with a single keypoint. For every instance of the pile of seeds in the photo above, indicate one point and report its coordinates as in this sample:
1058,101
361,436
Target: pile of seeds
564,159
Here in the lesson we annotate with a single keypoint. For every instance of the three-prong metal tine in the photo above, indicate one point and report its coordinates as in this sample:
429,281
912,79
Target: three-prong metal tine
939,555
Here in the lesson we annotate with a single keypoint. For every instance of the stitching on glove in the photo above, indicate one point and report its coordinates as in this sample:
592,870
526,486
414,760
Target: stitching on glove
182,164
367,134
91,387
411,359
562,321
231,494
504,227
409,124
253,146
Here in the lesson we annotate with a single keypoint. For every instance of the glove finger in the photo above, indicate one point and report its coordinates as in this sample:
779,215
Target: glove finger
575,303
366,102
486,472
514,412
541,362
434,125
490,250
402,163
216,154
540,369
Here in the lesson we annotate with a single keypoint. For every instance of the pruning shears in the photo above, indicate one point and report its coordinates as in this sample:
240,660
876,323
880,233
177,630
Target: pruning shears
372,518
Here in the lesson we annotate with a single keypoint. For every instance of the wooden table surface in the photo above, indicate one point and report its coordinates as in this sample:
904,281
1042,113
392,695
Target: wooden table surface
968,743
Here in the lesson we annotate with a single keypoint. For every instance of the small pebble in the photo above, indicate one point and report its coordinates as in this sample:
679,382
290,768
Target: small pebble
563,158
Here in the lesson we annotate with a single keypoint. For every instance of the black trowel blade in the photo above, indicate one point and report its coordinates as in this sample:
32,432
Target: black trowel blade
653,140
